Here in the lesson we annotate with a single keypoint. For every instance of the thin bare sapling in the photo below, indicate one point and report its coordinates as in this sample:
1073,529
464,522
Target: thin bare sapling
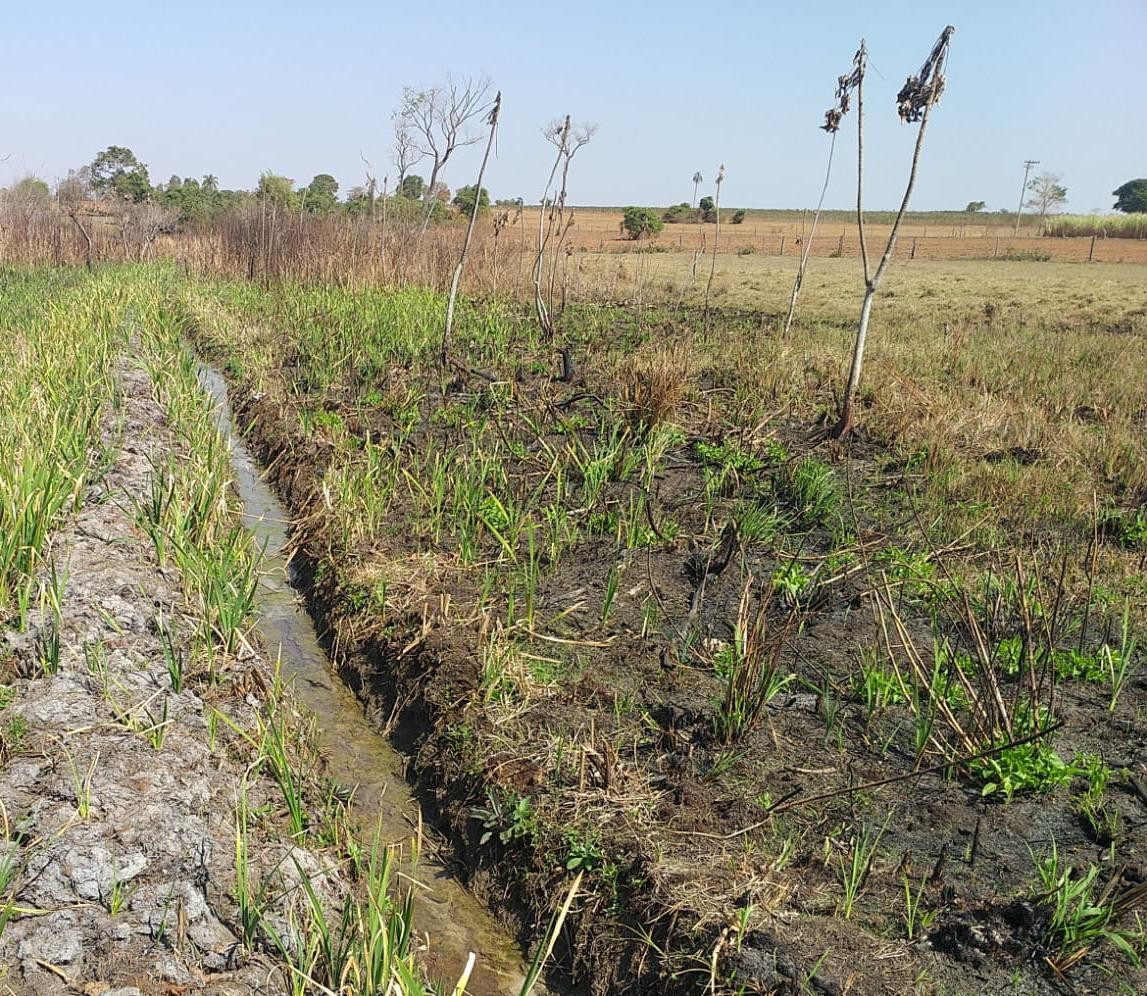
492,121
832,119
914,104
554,224
716,241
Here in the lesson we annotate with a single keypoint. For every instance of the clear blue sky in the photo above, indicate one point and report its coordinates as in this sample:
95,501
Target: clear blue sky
233,88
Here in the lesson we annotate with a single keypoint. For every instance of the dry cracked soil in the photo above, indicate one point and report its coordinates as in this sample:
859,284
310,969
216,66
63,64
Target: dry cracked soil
117,795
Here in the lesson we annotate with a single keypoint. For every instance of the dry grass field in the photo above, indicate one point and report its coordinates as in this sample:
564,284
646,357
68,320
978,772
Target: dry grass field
940,290
776,233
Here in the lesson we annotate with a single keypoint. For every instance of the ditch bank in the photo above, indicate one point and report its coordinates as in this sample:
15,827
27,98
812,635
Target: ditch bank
355,752
124,760
414,681
118,792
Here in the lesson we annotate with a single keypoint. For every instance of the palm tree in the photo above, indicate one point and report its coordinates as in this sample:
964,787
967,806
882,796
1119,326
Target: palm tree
210,183
697,178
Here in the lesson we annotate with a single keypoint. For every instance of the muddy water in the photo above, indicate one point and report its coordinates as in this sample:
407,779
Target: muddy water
360,756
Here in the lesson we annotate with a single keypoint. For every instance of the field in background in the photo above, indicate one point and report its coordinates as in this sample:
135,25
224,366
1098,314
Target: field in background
945,292
266,242
775,233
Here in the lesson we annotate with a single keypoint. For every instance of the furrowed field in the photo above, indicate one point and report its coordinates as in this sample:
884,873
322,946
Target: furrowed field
765,711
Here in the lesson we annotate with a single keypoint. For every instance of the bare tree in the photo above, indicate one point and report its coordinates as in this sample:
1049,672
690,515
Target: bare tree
437,121
553,224
371,188
405,154
577,136
140,225
914,104
73,195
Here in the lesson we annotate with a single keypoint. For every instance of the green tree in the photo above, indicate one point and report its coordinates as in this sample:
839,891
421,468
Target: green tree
708,209
412,187
1046,192
31,190
739,216
975,207
116,172
188,199
321,195
275,189
641,222
464,198
1131,198
680,214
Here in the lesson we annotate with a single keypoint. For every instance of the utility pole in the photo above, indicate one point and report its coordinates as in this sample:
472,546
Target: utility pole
1028,164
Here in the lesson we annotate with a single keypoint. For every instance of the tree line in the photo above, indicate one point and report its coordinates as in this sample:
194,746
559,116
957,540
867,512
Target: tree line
116,176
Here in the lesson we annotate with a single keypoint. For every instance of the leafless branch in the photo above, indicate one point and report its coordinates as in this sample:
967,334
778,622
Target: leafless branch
435,122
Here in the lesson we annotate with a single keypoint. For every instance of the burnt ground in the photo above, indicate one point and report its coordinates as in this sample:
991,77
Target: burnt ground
615,748
116,797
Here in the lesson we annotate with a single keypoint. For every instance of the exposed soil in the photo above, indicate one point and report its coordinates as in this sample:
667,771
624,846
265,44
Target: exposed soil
692,829
117,802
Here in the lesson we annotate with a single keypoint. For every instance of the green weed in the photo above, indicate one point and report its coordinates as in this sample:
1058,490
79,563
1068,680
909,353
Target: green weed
1080,916
811,489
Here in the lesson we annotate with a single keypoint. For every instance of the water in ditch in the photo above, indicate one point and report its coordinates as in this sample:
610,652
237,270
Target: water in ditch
358,754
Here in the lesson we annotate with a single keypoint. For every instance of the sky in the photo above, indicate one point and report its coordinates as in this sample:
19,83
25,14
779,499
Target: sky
236,88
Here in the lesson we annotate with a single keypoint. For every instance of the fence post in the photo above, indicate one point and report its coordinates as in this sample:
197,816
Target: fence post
913,256
840,246
1091,251
782,252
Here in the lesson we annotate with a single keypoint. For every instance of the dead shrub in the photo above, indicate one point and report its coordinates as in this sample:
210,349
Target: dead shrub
652,385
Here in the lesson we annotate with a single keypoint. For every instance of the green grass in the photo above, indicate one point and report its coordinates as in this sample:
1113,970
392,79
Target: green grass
67,337
59,339
190,512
